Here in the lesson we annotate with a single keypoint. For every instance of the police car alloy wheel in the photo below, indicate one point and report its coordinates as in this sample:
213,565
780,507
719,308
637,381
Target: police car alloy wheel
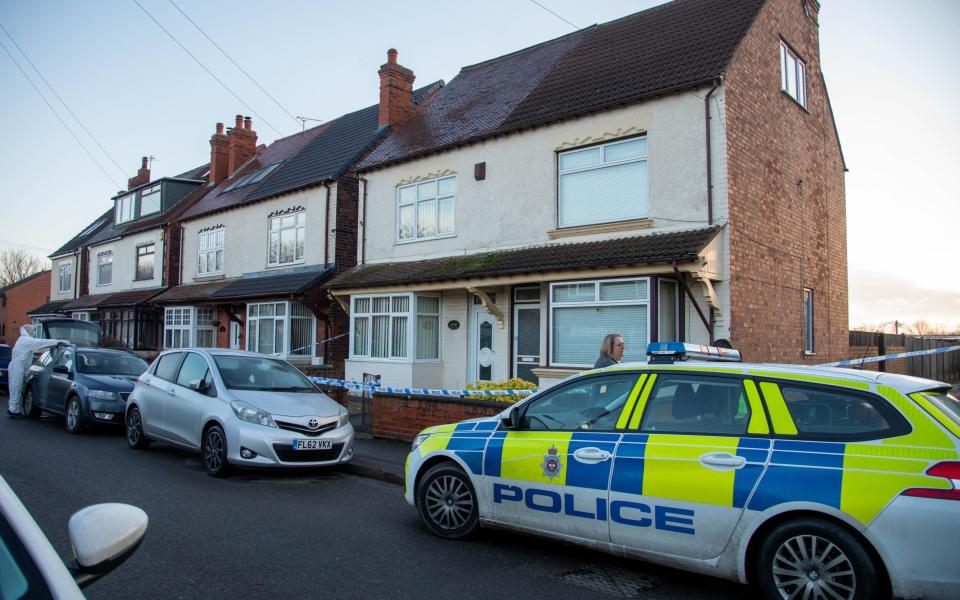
447,502
810,558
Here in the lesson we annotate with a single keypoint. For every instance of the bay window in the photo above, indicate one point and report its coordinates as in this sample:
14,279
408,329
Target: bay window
582,312
281,328
177,327
401,327
604,183
426,209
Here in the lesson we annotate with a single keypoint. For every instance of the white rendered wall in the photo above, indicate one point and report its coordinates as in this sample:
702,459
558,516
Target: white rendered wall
124,262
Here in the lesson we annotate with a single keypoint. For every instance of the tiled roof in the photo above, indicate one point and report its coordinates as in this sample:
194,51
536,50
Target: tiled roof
195,173
646,249
20,282
85,234
672,46
86,302
125,298
294,281
191,292
54,307
321,153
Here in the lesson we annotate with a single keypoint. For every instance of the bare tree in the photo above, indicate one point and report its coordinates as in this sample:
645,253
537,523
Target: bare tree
17,264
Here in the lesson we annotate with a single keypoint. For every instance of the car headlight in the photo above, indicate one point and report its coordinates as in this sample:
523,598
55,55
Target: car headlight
247,413
344,417
101,395
419,440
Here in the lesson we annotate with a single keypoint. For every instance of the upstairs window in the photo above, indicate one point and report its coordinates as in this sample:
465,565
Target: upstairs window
793,75
150,200
65,277
604,183
426,209
126,208
145,256
105,268
286,239
210,251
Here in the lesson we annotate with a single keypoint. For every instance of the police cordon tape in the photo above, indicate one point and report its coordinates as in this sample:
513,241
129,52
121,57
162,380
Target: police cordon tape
372,387
295,350
875,359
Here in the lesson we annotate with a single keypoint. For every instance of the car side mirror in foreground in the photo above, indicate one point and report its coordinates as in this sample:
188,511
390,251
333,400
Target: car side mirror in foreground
511,420
103,536
63,369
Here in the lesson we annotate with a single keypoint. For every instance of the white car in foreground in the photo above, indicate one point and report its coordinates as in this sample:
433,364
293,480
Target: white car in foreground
102,536
238,409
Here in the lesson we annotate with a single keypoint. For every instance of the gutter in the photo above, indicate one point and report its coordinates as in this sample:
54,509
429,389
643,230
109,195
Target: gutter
326,219
706,121
363,238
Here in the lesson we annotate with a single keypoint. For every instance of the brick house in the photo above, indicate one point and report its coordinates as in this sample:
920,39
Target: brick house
126,260
257,248
673,174
17,299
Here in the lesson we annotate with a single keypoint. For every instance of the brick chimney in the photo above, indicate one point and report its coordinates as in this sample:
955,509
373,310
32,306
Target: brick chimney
142,177
396,92
242,144
219,154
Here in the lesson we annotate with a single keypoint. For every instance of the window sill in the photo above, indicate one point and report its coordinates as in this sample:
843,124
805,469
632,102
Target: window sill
209,276
287,264
562,232
426,239
141,279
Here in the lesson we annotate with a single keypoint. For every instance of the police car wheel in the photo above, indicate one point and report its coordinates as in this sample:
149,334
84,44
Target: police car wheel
447,502
810,558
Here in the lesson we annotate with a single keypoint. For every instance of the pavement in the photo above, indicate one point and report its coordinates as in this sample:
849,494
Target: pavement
378,458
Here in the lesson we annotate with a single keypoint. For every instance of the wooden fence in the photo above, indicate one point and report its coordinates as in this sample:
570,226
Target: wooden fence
941,367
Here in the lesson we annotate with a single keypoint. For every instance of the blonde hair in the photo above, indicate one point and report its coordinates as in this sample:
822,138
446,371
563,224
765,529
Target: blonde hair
606,346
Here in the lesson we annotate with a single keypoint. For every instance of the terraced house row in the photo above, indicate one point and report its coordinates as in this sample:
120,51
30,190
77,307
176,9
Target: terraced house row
674,174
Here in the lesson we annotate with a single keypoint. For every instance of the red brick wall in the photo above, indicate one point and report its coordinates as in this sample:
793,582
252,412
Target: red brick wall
403,417
787,219
20,299
344,259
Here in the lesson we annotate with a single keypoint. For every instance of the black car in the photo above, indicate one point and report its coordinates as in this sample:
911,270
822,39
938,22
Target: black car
86,385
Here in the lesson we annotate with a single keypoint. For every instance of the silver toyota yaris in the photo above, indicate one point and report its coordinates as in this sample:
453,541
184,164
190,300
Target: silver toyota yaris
238,409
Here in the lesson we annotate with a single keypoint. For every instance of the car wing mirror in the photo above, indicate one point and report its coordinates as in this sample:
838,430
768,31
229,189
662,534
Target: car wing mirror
511,419
103,536
62,369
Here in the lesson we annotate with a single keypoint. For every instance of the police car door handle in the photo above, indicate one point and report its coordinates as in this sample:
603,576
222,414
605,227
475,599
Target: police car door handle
591,455
722,461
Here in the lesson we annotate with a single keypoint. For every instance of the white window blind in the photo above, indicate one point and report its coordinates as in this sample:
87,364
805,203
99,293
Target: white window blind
603,184
392,327
426,209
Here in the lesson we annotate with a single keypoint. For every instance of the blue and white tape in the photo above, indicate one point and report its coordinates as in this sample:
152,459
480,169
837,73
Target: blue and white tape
372,387
875,359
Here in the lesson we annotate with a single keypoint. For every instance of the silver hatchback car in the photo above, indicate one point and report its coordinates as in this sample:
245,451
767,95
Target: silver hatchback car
238,409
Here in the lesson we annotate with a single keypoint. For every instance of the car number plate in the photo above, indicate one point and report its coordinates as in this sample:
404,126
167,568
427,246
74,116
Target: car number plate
312,444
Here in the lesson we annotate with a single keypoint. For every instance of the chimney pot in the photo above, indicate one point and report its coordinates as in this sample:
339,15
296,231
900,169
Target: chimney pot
219,128
239,122
392,56
143,163
247,123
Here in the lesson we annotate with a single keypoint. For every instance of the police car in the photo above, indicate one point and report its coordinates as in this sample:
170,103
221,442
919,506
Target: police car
805,482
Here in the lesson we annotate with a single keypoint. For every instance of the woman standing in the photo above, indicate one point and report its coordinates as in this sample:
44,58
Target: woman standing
611,351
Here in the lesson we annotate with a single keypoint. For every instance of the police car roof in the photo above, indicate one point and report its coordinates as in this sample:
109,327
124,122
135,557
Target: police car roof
903,383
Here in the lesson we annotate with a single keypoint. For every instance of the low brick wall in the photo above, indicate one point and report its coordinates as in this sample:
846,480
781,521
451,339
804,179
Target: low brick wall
403,417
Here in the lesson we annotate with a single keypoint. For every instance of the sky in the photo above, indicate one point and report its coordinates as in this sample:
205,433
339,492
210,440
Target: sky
889,67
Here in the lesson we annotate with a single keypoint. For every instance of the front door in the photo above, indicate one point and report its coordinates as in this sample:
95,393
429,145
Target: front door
482,355
235,338
526,341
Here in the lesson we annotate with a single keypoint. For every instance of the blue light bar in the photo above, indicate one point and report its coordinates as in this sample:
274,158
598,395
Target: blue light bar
665,351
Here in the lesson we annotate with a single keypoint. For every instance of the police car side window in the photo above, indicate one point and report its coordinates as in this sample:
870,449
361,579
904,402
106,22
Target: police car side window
697,404
594,403
828,413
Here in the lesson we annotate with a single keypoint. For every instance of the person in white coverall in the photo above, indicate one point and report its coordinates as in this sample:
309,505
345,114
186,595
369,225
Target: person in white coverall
20,360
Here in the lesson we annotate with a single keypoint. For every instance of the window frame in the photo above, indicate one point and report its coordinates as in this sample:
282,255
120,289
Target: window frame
68,276
103,259
219,234
799,73
410,314
566,386
153,267
602,165
286,351
899,425
146,192
707,377
553,305
809,322
300,222
169,313
416,210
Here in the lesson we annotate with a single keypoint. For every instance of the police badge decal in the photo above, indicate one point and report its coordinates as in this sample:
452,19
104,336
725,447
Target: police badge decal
551,463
